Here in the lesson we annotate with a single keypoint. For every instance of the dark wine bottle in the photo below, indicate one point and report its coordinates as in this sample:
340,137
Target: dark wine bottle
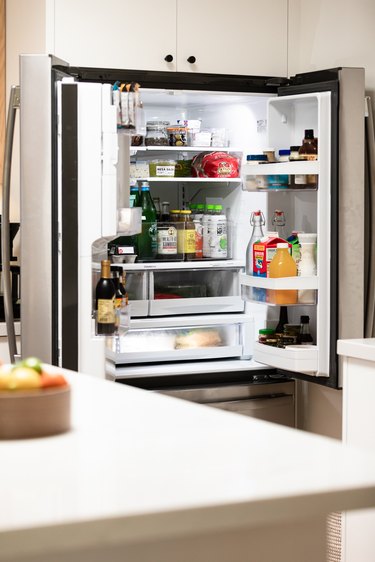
105,301
283,319
305,336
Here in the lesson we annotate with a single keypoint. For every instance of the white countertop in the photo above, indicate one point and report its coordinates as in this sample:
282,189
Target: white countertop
137,465
358,348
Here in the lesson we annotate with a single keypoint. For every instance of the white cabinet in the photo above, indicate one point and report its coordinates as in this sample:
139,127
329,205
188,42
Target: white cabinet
237,37
358,430
115,33
240,37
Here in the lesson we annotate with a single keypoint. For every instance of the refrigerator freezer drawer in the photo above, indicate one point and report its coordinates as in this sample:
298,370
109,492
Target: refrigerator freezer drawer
295,358
164,307
175,355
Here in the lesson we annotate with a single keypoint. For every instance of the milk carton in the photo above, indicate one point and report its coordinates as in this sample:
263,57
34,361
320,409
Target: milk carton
263,252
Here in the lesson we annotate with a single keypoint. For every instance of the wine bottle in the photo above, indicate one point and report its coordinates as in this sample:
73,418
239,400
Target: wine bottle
105,301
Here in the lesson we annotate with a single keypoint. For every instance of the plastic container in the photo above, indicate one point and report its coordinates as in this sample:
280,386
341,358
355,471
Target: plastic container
252,181
177,135
162,168
156,134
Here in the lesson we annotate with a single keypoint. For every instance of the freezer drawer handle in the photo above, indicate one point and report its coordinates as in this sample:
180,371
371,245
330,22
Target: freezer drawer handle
191,60
168,58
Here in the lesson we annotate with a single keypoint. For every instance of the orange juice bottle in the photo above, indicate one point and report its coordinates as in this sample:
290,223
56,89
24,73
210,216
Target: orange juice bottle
282,265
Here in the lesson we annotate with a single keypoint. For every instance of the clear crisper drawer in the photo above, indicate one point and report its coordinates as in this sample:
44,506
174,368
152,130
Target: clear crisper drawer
195,291
137,289
204,340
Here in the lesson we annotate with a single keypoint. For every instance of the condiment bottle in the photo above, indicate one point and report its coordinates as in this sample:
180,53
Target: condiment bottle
305,336
105,295
309,151
186,236
282,265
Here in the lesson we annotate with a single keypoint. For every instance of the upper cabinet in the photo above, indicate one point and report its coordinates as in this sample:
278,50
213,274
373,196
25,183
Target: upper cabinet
237,37
137,34
210,36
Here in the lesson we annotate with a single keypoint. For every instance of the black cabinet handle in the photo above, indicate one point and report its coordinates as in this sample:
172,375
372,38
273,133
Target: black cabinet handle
168,58
191,60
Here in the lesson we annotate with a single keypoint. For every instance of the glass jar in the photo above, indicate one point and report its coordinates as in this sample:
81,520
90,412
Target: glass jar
255,181
156,134
265,334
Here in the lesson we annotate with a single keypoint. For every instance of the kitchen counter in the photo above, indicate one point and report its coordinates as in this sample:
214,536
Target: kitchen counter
159,479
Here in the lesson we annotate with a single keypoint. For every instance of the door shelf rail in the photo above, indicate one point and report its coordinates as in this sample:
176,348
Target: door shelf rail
295,358
309,167
299,283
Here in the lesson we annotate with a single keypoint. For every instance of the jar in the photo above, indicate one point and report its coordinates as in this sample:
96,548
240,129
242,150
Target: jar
177,135
162,168
156,134
265,334
253,181
270,154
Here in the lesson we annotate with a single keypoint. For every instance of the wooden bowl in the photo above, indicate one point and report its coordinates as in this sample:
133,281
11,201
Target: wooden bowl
34,413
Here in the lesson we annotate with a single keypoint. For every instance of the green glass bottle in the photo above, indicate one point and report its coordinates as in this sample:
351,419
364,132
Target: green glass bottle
147,240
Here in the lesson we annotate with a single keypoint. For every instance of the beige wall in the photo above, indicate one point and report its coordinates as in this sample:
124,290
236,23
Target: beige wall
327,34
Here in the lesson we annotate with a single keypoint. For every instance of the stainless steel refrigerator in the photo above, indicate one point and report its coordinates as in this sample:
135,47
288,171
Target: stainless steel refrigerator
74,178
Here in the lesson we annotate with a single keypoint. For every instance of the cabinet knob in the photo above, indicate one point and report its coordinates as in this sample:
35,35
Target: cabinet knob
168,58
191,60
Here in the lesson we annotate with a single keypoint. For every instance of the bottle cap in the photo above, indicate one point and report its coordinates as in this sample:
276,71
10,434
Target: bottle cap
309,133
185,212
282,245
284,152
266,331
305,319
294,148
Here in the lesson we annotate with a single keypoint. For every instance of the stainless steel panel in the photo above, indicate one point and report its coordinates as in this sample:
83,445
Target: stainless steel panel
277,409
36,206
228,392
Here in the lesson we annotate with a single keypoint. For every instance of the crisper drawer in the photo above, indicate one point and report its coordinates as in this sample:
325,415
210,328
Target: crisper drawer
195,291
137,289
190,339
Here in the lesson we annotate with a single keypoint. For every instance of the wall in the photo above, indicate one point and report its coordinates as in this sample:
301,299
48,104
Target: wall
25,33
325,35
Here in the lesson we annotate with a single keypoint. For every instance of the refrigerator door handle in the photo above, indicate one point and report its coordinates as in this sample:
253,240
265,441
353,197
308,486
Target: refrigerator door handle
14,104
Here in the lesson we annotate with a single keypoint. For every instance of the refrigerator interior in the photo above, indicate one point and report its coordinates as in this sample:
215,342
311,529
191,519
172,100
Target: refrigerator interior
252,123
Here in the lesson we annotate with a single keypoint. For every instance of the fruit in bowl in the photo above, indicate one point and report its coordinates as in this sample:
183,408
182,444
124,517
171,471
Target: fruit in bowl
34,400
29,374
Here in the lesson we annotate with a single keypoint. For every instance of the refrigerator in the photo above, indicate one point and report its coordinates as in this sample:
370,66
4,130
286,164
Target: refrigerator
75,170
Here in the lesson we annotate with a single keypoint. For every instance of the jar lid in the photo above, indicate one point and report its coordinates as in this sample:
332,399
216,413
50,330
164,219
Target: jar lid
175,211
185,212
156,125
284,152
294,148
266,331
252,157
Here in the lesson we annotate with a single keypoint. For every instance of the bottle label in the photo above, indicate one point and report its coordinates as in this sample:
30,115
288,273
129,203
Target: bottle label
106,311
186,241
167,241
198,239
218,240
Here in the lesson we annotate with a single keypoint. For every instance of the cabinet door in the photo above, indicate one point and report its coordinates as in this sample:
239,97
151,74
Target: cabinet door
116,34
238,37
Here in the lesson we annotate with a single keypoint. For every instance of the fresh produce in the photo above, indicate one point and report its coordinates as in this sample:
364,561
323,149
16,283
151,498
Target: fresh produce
29,374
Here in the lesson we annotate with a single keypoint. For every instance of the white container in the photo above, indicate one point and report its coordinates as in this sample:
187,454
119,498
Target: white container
307,268
218,237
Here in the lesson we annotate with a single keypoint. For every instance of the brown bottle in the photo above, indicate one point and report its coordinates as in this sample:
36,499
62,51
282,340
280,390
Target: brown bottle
186,237
309,151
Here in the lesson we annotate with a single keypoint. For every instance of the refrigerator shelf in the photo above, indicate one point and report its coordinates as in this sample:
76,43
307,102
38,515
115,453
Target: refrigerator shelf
191,265
274,189
174,354
184,149
295,358
280,282
175,179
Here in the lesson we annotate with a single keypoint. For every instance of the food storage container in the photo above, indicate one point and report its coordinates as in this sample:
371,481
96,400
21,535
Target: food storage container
156,134
162,168
177,135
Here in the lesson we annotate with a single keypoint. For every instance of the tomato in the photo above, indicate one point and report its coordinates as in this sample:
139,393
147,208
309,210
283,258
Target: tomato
52,379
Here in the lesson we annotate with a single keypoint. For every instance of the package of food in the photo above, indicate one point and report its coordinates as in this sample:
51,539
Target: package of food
183,168
177,135
215,165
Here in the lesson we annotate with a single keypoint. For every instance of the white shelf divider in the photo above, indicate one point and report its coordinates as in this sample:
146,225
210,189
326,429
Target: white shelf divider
280,282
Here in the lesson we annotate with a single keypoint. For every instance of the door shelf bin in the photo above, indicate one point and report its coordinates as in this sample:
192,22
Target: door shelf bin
263,289
295,358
